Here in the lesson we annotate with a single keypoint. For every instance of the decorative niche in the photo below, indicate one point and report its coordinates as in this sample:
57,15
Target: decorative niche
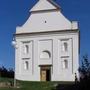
64,45
65,63
26,49
26,65
45,54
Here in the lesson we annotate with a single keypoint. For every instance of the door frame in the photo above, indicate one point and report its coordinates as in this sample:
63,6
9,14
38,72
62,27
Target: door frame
45,68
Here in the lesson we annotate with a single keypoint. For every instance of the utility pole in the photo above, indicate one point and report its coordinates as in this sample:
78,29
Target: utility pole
14,44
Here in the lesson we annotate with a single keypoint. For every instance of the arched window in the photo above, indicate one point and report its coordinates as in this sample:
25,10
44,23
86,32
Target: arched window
26,65
45,54
65,46
26,49
65,64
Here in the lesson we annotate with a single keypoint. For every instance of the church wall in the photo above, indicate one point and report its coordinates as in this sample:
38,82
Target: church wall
42,49
76,54
53,44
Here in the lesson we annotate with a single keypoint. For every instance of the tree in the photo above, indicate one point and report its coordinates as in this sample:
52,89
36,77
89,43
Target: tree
4,72
85,67
84,74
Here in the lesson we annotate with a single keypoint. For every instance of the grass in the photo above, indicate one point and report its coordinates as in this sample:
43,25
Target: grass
27,85
6,79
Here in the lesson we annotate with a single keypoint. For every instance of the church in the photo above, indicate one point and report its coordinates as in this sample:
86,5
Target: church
47,45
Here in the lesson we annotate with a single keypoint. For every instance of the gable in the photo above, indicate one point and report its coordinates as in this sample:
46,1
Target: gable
46,17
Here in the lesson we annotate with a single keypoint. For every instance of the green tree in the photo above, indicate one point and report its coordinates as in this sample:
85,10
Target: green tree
85,67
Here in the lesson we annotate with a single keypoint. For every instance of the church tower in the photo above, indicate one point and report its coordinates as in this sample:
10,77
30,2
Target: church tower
47,45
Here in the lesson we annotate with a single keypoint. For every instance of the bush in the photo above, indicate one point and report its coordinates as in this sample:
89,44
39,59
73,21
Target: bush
9,73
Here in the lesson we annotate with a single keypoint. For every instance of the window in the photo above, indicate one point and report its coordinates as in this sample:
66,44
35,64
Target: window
26,49
26,65
65,64
65,46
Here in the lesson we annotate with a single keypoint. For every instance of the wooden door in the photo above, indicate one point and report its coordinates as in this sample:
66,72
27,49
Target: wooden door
43,75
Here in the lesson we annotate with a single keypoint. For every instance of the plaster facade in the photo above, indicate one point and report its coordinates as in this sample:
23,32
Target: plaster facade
47,45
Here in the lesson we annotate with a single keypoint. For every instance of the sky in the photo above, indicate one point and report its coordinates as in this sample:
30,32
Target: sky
15,13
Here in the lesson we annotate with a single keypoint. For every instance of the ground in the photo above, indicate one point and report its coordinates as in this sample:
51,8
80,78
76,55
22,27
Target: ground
27,85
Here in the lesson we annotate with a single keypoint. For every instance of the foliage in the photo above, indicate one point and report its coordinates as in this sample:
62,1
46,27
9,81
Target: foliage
9,73
85,68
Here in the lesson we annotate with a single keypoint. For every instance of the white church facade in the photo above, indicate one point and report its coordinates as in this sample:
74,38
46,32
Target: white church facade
47,45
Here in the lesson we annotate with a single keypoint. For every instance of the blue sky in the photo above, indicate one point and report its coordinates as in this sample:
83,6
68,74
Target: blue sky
15,12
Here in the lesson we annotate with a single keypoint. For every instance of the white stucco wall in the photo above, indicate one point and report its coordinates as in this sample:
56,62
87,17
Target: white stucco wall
37,32
54,46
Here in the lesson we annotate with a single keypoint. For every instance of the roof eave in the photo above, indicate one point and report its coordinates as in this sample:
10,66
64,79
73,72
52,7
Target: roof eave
48,32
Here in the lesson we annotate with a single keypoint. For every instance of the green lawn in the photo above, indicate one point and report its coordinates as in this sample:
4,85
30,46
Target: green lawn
6,79
26,85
